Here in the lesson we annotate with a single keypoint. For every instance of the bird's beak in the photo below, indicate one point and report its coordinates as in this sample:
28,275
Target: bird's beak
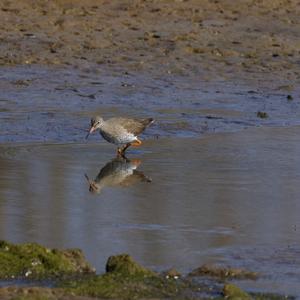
92,185
92,129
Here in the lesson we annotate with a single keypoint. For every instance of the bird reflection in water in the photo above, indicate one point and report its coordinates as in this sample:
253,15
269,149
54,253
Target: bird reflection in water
120,171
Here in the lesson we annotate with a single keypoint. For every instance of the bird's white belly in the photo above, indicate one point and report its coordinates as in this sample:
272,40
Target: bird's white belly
117,139
126,139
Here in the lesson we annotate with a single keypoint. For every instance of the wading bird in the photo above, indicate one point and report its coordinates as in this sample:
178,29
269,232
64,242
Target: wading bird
120,131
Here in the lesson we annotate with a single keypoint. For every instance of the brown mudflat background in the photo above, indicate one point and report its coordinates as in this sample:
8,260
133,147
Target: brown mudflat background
212,38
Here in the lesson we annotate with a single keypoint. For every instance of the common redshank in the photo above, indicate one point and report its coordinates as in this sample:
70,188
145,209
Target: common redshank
118,172
120,131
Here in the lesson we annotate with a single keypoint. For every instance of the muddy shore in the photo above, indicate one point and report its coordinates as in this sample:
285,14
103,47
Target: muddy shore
252,40
225,65
71,277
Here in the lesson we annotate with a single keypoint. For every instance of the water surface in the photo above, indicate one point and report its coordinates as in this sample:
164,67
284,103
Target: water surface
211,183
230,198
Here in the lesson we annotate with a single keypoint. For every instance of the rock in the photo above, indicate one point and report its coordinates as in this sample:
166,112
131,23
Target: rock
126,279
171,273
223,272
262,114
35,261
124,264
288,88
232,292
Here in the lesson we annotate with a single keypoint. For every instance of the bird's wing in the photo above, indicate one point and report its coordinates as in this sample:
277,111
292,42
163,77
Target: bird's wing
110,168
137,176
134,126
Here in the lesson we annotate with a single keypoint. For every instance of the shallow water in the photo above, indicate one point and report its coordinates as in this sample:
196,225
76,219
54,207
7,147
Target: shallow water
230,198
211,183
54,105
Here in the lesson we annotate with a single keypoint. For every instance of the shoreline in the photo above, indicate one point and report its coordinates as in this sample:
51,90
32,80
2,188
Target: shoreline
184,38
69,276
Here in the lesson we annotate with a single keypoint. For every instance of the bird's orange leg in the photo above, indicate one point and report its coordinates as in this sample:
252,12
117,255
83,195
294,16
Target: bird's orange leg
136,143
121,151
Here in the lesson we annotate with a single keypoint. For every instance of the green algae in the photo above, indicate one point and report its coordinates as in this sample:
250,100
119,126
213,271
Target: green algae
37,293
126,279
29,293
124,264
34,261
232,292
267,296
229,291
223,272
118,287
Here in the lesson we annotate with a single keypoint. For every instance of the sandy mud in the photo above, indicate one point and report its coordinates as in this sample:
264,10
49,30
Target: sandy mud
213,39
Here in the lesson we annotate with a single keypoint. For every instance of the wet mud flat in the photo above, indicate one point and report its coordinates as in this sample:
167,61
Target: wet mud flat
211,39
197,67
54,104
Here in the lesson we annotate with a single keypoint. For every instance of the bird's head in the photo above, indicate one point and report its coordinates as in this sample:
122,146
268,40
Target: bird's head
96,123
93,186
